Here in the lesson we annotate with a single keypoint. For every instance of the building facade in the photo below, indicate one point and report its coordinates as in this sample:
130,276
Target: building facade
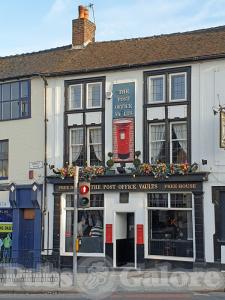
153,99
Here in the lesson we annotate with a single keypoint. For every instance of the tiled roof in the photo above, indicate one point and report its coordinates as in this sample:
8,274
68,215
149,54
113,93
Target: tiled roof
188,46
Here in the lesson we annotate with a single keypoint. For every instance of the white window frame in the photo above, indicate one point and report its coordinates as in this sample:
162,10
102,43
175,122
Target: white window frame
171,140
63,225
146,245
87,87
81,98
88,141
170,86
70,142
149,89
150,141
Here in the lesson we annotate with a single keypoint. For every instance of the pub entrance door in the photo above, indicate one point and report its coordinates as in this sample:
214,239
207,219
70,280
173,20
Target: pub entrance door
124,240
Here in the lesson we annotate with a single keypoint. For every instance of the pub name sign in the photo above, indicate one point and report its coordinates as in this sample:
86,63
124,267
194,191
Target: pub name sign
145,187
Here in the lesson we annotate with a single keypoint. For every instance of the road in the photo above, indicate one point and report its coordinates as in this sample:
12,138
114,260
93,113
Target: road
120,296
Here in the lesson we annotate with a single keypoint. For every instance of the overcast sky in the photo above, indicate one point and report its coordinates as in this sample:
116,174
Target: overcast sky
32,25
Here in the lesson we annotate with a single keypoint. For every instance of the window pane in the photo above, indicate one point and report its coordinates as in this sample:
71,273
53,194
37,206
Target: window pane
75,96
3,159
15,91
15,109
158,200
178,87
24,108
97,200
90,230
69,231
94,95
181,200
24,89
156,89
77,148
6,110
170,233
95,143
179,143
69,200
6,92
157,143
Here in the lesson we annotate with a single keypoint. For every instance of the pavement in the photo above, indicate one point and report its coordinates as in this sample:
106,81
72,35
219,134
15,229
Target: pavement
96,284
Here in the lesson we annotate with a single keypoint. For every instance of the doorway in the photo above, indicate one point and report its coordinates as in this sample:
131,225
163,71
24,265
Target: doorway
125,239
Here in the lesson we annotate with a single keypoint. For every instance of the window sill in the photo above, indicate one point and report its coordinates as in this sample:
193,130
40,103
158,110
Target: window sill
17,119
177,258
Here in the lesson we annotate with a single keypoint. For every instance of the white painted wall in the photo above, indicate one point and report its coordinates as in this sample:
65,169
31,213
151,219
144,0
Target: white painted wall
208,90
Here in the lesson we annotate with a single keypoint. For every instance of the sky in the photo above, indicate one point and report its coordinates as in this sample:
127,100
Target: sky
33,25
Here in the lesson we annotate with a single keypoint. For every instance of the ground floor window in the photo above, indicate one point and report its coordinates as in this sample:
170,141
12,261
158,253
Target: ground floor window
170,225
90,227
6,215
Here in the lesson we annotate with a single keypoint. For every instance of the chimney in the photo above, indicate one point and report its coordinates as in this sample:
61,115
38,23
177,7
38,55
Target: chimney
83,31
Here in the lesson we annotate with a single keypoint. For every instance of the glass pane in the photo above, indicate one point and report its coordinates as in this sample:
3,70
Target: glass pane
15,91
156,89
6,92
179,143
97,200
77,136
69,200
90,231
181,200
5,168
94,95
69,231
24,89
178,87
170,233
1,168
158,200
75,96
24,109
95,136
157,146
15,109
6,110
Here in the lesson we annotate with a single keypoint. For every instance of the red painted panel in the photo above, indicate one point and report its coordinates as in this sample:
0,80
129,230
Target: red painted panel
140,234
109,238
31,174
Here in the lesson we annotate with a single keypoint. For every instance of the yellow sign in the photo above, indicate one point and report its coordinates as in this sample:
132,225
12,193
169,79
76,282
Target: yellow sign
6,227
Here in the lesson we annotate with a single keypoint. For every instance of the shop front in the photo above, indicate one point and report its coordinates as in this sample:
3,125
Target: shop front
140,220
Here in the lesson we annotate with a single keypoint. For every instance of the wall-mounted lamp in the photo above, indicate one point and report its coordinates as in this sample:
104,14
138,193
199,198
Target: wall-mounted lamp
219,109
204,162
109,95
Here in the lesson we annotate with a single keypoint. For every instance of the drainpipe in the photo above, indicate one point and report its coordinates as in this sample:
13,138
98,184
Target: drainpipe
44,198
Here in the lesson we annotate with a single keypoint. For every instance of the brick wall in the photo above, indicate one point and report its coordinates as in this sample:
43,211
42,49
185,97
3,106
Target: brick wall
83,32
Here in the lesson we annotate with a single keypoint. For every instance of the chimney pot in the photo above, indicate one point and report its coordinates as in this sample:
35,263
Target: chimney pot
81,11
86,13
